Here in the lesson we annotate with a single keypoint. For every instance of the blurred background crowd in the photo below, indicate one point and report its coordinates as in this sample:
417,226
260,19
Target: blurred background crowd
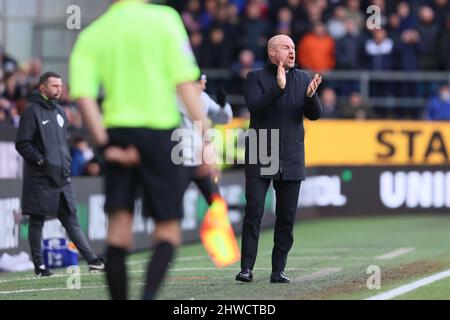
229,39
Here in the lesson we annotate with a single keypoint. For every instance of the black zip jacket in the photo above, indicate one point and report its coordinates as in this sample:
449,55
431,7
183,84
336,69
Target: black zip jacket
42,140
273,108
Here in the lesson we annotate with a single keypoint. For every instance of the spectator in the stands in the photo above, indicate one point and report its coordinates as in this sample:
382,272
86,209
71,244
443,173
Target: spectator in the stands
191,16
336,25
284,21
198,47
442,10
408,52
407,18
393,27
81,154
233,14
379,51
348,48
329,103
14,91
316,50
9,114
379,56
381,4
33,73
240,70
301,23
208,16
354,13
14,117
7,63
255,29
230,27
355,107
438,108
5,104
444,46
218,49
3,116
315,13
93,167
428,30
348,55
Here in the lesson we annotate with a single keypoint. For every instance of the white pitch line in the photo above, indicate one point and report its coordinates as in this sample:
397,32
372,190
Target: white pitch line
50,289
410,287
319,274
395,253
187,258
310,257
195,258
330,250
62,275
329,258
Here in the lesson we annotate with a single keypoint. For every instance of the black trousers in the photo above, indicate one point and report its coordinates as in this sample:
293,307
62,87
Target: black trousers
286,193
205,184
70,222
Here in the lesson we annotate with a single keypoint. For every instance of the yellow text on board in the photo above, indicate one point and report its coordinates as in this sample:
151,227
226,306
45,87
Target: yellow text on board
347,142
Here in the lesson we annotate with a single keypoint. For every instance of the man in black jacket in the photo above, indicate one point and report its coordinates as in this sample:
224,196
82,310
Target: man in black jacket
42,140
278,97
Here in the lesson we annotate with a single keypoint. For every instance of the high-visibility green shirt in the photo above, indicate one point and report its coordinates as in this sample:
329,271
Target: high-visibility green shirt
138,52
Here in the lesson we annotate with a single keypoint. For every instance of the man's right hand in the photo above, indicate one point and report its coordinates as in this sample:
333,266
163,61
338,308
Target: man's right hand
127,157
281,75
221,97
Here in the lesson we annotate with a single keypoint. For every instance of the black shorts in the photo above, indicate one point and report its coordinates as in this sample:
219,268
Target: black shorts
156,179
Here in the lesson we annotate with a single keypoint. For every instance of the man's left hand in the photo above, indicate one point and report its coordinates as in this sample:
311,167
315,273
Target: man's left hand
312,87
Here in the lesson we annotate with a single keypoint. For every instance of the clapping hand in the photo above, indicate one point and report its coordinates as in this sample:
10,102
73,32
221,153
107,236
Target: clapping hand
281,75
312,87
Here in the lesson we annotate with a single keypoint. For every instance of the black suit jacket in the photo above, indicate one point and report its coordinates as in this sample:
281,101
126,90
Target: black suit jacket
273,108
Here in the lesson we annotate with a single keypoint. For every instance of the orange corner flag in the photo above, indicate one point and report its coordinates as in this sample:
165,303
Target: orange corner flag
217,235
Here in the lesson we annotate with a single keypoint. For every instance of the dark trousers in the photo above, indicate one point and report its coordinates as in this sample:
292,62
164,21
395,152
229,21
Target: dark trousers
70,222
286,193
204,183
207,187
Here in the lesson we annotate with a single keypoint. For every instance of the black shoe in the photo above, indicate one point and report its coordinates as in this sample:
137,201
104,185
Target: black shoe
279,277
97,265
42,271
245,275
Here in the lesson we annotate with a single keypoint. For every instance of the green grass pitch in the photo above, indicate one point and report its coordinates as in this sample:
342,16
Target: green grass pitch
329,260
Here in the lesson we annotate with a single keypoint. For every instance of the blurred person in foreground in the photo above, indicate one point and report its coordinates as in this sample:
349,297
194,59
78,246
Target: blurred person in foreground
219,113
142,65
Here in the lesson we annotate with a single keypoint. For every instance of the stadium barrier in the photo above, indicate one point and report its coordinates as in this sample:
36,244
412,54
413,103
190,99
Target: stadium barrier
93,221
425,83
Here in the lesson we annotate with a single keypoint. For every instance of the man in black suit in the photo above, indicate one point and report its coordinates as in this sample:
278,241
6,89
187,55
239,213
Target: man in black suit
278,97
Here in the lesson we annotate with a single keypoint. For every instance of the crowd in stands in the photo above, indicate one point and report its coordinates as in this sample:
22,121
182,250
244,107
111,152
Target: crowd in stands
329,35
17,82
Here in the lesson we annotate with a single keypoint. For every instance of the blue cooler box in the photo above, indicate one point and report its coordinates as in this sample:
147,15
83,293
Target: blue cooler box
58,253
